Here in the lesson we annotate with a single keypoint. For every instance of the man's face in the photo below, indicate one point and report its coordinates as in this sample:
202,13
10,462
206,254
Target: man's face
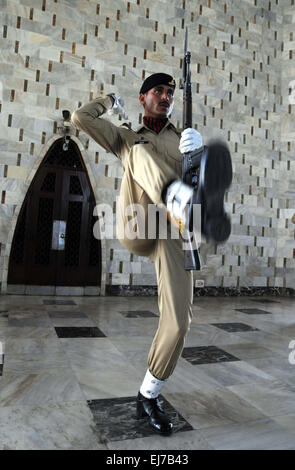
158,102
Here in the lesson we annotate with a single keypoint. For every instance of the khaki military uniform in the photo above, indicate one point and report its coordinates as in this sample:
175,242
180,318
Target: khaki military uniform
151,161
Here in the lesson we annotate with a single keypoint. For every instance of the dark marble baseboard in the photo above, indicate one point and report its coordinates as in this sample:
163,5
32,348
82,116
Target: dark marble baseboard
244,291
125,291
149,291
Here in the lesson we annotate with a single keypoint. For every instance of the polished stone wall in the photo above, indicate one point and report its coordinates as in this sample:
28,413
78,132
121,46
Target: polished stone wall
60,54
286,191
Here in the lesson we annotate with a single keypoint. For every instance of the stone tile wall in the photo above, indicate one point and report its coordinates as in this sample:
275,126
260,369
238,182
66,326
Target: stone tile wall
57,55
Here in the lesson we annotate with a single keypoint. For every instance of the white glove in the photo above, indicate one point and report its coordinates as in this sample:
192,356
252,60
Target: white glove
190,140
118,107
178,199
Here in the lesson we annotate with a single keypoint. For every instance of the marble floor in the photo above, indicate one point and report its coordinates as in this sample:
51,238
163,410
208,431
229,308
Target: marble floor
71,367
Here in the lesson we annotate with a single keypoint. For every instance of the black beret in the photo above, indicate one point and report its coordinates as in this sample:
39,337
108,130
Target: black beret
157,79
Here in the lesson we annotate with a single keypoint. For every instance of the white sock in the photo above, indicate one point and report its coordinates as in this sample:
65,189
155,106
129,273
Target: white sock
150,387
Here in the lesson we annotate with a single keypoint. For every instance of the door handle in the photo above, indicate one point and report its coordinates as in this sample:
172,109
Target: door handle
58,235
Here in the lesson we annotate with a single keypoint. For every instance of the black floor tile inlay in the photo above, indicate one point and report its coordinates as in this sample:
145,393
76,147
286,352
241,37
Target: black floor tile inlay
79,332
138,314
252,311
207,355
58,302
116,418
1,363
233,327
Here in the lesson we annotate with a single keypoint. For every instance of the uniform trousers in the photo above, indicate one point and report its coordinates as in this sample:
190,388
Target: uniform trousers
145,176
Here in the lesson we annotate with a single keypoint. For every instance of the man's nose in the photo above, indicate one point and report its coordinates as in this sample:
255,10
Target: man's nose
165,96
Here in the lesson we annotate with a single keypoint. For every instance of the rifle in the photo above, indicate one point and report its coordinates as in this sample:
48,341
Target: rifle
217,228
191,160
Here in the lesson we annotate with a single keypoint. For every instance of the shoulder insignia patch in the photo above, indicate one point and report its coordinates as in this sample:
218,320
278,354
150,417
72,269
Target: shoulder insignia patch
126,124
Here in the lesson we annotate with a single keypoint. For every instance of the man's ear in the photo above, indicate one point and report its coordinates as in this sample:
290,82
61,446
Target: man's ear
142,98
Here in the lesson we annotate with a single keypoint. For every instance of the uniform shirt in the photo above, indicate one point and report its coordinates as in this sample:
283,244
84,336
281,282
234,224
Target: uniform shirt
120,139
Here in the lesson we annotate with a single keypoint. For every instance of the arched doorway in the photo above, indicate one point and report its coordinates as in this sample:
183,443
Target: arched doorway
53,242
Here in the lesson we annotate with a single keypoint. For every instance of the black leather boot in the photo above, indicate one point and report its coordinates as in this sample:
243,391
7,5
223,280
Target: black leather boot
158,419
215,178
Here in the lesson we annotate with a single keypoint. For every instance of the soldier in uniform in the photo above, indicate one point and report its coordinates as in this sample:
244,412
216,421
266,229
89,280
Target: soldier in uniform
151,156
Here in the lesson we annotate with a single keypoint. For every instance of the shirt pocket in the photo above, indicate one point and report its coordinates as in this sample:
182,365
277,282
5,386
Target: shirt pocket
171,148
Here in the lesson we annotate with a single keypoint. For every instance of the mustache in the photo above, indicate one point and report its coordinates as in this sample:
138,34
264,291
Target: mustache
165,102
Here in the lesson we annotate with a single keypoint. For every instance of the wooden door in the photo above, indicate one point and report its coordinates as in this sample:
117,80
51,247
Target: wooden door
53,243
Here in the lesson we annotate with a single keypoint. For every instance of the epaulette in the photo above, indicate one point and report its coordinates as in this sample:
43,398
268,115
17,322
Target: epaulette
126,124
